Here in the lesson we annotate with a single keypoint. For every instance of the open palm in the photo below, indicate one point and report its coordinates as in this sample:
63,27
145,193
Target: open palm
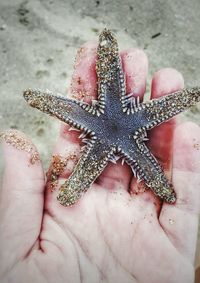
117,232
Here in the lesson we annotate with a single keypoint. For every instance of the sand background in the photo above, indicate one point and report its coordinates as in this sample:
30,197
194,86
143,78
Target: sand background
39,40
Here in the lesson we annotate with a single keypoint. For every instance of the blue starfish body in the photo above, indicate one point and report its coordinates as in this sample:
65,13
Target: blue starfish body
116,126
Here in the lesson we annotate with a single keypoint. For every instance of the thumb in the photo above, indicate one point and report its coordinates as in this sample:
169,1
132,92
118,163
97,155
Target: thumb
21,202
180,220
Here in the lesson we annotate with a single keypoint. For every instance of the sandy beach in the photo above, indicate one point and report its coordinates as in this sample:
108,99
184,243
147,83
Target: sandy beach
39,41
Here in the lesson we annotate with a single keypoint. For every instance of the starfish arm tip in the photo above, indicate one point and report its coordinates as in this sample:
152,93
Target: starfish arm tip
68,196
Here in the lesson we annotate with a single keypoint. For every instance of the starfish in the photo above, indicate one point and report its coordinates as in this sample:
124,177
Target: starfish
115,126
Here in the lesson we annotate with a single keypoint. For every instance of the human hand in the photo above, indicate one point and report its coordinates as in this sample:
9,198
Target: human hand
115,233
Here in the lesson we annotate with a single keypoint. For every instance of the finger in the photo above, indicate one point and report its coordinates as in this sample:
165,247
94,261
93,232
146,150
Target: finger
84,79
180,221
21,204
83,86
164,82
135,65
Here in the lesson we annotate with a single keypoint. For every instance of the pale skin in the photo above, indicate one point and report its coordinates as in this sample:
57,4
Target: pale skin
110,235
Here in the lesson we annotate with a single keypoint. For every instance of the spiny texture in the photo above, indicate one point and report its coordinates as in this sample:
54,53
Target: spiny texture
116,127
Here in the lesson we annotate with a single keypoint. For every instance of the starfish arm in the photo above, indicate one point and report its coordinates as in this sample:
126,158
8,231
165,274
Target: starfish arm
111,80
160,110
75,113
146,168
89,167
